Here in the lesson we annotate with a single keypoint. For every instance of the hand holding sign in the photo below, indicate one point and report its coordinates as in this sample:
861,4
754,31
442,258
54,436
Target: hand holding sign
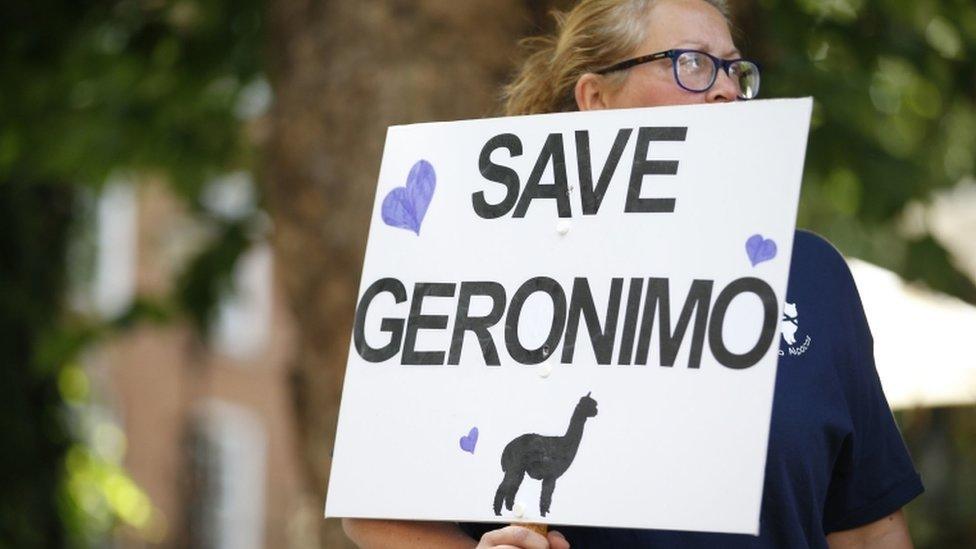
523,537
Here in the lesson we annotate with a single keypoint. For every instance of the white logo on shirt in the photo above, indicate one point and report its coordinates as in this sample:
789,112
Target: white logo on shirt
788,329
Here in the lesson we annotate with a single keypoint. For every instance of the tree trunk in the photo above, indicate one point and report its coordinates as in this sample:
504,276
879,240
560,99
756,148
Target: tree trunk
342,72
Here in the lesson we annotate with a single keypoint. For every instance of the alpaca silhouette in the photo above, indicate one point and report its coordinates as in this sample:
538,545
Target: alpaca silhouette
543,458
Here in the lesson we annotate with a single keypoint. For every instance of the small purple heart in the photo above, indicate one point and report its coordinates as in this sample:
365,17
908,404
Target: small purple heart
405,207
760,249
469,441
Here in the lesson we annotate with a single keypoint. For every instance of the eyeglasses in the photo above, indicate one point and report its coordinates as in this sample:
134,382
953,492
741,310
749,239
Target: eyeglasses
696,70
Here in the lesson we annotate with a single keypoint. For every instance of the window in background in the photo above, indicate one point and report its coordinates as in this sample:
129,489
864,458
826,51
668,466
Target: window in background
226,483
116,237
244,316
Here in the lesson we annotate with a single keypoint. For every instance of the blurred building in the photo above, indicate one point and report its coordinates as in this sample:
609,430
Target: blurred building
208,427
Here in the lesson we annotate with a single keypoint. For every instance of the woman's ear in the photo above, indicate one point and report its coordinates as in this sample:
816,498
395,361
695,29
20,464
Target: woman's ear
591,93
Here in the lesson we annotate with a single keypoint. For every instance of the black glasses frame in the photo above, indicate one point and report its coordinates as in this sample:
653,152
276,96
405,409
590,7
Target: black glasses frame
673,54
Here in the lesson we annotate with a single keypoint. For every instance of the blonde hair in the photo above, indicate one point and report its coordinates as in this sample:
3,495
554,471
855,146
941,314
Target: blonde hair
593,35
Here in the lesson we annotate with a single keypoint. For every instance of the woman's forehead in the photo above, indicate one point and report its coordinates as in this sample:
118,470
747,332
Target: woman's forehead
728,52
693,24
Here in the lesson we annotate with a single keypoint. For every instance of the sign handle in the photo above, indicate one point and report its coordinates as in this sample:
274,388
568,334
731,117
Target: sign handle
535,527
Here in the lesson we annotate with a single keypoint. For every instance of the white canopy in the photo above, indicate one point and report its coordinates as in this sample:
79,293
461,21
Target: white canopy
924,341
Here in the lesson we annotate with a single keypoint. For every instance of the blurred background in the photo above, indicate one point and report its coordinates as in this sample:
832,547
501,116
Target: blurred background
184,194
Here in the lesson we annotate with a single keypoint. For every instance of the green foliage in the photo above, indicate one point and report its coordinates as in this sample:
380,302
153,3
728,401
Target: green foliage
95,87
33,431
925,258
209,275
894,120
943,445
88,89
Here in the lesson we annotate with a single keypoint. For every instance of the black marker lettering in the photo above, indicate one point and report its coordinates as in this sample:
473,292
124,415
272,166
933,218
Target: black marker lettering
581,304
590,197
658,299
769,302
418,321
552,152
477,325
642,166
499,174
393,326
554,290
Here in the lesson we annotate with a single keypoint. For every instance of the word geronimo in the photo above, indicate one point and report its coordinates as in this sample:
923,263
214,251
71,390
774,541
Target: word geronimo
699,309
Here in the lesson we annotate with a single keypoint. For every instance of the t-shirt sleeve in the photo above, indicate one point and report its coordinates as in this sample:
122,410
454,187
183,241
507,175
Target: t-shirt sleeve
874,475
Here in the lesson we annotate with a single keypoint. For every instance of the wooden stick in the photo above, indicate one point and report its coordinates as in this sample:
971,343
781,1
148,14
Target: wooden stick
535,527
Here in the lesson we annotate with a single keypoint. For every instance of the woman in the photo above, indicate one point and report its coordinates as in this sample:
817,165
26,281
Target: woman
837,472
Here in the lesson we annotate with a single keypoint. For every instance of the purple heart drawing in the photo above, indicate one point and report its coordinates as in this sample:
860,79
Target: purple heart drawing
469,441
760,249
405,207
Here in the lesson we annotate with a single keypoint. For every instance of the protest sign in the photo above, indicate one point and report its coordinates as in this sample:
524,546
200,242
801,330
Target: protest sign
572,318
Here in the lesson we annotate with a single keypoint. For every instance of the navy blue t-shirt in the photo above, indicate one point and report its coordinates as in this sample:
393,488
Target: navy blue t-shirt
836,459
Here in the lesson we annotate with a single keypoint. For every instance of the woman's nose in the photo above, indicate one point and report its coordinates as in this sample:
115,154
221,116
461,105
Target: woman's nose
723,90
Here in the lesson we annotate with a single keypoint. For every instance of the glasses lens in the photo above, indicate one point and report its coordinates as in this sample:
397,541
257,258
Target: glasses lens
695,71
746,75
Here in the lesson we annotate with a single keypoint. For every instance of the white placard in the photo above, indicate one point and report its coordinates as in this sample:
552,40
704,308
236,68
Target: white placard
533,271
